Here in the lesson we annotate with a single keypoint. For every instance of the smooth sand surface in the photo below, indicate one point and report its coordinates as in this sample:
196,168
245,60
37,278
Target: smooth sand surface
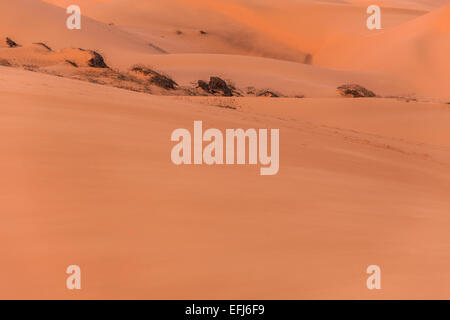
87,179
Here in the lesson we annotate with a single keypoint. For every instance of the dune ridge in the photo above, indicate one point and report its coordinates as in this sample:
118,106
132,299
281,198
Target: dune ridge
417,50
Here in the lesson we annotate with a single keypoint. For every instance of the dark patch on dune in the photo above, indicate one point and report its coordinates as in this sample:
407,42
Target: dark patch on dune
251,90
11,43
203,32
179,32
157,48
267,94
97,61
218,85
5,63
226,107
156,78
203,85
308,59
355,91
30,67
73,64
43,45
402,98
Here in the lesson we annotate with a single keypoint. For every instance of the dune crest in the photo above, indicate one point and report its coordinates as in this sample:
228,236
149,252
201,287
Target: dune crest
417,50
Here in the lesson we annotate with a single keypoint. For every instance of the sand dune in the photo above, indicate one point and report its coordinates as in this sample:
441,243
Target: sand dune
243,72
20,21
418,50
295,28
153,35
288,78
81,3
411,4
122,49
87,179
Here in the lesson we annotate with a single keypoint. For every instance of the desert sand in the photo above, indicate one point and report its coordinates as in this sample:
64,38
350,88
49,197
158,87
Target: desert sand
85,150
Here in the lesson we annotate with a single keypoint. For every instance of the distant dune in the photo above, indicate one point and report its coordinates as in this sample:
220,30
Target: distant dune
417,50
258,26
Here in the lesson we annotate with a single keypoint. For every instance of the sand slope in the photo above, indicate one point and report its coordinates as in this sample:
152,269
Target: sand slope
278,29
411,4
20,21
417,50
271,33
87,179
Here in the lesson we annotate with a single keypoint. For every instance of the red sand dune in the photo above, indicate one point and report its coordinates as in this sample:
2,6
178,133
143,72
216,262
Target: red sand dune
87,180
87,177
418,50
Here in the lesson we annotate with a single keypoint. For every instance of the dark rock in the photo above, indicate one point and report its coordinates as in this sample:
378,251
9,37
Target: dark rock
355,91
43,45
217,85
268,94
97,61
203,85
73,64
156,78
203,32
11,43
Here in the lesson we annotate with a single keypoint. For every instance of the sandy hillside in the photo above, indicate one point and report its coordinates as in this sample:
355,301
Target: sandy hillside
82,3
123,49
418,50
301,26
85,124
427,5
20,22
87,179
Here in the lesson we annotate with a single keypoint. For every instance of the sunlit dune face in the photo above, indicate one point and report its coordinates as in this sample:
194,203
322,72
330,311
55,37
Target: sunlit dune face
88,176
81,3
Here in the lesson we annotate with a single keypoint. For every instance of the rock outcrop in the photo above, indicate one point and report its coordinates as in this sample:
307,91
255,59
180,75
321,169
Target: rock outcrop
156,78
216,86
355,91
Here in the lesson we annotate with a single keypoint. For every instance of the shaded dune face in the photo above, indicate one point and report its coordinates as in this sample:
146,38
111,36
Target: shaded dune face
417,49
269,28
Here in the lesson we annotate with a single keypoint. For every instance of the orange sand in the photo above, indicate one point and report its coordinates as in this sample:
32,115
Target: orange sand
87,177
